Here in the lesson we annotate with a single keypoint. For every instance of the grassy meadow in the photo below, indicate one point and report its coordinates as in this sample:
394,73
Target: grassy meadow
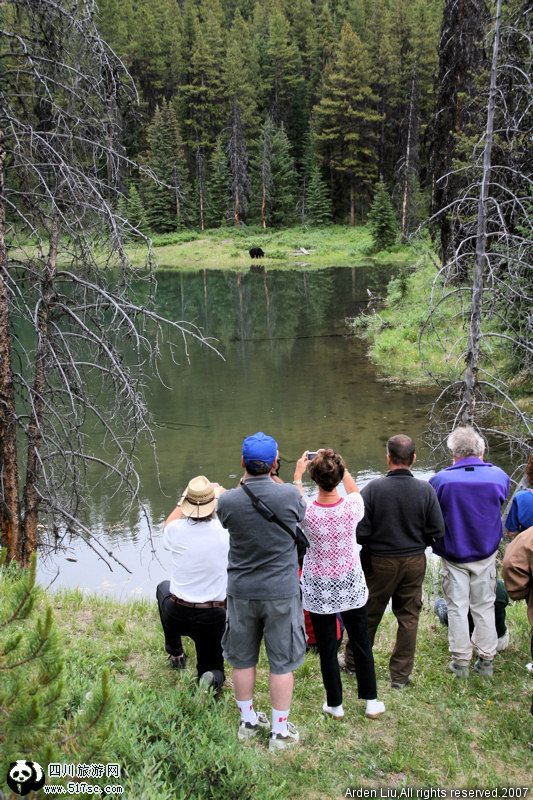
227,248
174,741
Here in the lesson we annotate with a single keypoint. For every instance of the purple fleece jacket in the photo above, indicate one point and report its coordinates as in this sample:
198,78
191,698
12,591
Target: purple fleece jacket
471,493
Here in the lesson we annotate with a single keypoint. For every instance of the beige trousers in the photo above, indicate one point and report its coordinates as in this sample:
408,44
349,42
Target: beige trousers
470,586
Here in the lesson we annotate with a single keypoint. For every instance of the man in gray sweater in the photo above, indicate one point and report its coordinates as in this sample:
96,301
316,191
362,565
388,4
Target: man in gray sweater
402,517
263,590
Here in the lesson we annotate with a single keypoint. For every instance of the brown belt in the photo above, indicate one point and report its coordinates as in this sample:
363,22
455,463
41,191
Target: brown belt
208,604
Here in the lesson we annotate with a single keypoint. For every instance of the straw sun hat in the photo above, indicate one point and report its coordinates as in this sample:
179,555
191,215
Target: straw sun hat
199,498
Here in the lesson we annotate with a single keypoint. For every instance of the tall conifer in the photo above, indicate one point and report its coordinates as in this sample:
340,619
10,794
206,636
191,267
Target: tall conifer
346,120
318,206
218,195
382,219
165,199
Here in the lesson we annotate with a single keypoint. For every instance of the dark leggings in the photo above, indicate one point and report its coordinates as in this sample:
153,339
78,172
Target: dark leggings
355,622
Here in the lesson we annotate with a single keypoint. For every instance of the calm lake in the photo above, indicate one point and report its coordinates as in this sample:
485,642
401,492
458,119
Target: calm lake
285,367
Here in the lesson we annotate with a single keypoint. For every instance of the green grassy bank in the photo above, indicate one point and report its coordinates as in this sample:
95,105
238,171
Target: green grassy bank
409,348
227,248
173,741
394,330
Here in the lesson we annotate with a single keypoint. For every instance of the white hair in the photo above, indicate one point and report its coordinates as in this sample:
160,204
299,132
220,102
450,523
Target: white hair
465,441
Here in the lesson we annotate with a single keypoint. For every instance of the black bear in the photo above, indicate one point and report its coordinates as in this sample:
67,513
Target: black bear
256,252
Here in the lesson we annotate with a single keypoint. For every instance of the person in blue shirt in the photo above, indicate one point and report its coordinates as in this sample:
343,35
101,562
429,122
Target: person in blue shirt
471,493
520,516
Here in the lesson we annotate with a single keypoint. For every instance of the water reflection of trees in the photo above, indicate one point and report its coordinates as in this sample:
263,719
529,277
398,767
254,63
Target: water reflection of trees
262,321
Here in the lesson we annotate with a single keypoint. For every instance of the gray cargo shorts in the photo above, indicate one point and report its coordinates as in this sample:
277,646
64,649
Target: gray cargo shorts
280,622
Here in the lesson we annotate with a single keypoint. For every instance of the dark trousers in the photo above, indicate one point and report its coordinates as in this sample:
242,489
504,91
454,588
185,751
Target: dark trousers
204,626
355,622
400,580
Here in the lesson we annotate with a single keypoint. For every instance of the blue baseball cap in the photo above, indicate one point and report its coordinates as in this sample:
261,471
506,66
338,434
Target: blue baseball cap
259,447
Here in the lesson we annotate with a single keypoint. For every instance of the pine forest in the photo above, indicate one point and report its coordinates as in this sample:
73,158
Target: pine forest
276,113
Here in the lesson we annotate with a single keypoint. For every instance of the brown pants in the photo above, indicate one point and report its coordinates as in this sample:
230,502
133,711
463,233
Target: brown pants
399,579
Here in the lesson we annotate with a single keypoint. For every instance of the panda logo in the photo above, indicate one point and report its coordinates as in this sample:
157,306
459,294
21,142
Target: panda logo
25,777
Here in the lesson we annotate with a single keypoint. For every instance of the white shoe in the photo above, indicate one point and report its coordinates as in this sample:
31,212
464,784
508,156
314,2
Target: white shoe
529,666
280,741
335,712
247,730
374,709
503,642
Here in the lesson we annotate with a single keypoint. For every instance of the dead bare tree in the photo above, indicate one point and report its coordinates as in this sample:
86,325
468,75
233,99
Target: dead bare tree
238,163
78,326
493,299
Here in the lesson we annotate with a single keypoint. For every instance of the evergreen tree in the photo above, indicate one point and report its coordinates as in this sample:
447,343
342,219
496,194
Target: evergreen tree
345,119
241,74
273,176
382,219
218,195
165,200
131,208
285,87
283,200
318,206
327,37
204,97
34,718
462,60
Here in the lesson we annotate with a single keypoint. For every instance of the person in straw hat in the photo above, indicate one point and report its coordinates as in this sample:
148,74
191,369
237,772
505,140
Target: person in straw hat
192,602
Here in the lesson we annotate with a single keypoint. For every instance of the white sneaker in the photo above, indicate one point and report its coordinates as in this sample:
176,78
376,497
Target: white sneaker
336,712
374,709
279,741
247,730
503,642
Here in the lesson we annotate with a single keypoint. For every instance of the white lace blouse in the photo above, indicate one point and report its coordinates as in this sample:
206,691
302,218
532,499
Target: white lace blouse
332,577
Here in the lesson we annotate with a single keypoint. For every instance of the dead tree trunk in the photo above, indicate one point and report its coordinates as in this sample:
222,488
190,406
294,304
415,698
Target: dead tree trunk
352,204
263,208
238,161
31,495
9,499
481,262
408,162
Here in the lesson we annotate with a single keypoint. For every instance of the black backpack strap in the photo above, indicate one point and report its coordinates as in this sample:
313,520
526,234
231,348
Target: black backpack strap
266,511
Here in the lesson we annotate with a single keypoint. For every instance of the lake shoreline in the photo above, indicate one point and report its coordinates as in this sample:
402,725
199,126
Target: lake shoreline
297,247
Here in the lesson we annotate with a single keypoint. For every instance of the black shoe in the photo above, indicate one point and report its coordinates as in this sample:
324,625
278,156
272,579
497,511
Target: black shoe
441,610
177,662
401,684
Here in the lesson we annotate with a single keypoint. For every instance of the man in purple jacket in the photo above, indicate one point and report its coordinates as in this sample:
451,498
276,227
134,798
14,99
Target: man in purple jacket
471,493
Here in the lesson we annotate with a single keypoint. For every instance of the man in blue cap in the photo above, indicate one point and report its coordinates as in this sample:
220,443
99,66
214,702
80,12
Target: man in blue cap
263,590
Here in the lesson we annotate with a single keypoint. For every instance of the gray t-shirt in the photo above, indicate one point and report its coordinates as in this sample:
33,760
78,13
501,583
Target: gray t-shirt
262,563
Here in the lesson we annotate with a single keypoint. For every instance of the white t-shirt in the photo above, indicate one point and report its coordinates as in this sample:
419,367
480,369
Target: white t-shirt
332,577
199,559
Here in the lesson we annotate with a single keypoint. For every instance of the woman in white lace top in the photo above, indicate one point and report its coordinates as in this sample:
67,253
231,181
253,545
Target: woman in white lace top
333,580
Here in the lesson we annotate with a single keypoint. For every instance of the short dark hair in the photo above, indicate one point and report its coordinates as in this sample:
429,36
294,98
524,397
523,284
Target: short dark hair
194,521
257,467
327,469
401,450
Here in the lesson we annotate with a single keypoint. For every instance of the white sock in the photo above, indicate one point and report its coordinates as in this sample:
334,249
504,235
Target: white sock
246,707
279,721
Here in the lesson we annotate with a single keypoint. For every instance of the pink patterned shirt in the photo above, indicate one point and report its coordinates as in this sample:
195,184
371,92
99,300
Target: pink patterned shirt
332,577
